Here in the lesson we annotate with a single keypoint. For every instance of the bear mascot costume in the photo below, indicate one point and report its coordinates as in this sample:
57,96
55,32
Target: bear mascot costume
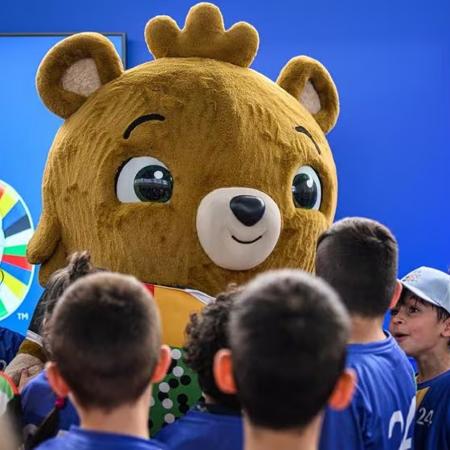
189,172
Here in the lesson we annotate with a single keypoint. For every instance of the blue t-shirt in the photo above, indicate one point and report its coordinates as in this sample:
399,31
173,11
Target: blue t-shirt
202,429
78,439
432,427
38,400
381,414
9,345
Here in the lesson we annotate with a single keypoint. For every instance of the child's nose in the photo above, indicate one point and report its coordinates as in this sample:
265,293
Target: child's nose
397,319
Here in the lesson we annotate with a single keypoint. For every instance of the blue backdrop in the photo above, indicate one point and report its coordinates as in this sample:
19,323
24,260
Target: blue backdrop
389,59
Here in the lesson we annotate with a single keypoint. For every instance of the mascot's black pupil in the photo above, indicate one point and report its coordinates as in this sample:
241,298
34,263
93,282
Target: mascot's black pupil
153,184
304,191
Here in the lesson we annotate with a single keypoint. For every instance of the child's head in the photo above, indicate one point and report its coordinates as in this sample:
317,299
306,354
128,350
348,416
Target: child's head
420,321
358,258
207,333
105,342
78,266
288,335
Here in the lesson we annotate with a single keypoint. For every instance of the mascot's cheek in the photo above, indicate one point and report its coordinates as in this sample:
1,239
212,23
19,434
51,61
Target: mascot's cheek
238,228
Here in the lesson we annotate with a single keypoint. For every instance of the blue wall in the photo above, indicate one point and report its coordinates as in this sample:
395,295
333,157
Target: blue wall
391,62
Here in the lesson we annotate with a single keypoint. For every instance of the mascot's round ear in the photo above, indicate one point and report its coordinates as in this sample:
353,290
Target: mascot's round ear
74,69
311,84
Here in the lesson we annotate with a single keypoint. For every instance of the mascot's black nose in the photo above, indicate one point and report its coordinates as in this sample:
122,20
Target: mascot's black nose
248,209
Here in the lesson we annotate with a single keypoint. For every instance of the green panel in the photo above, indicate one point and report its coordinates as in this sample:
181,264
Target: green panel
16,250
3,310
183,393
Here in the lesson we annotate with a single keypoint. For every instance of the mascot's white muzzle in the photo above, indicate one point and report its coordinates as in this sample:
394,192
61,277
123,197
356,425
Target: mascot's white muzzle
238,228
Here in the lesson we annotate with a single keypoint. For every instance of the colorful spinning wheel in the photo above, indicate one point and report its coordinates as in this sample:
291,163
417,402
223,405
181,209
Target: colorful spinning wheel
16,229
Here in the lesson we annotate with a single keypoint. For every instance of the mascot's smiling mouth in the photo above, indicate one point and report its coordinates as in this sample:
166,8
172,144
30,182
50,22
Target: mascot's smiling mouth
246,242
238,227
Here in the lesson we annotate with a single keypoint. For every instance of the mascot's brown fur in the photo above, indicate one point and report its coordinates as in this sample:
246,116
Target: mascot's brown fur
212,122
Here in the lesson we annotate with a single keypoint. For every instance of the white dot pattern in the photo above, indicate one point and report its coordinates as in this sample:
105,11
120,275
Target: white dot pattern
169,418
164,387
178,371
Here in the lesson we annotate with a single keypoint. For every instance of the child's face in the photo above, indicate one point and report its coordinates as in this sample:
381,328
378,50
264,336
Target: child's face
416,328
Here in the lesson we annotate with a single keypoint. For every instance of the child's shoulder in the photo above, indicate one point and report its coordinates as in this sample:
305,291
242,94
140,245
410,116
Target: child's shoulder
369,353
439,383
37,384
199,426
77,438
377,362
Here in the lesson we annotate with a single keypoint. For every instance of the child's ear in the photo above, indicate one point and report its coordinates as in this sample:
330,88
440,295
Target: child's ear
396,295
446,331
162,365
56,381
343,391
311,84
74,69
223,372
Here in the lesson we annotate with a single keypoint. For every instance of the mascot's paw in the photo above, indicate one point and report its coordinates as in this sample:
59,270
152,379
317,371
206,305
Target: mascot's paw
23,364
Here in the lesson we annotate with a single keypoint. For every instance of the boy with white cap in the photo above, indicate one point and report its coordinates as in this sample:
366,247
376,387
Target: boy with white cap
421,325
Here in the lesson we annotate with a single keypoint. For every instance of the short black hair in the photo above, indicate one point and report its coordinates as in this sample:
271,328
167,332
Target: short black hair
207,333
441,314
105,338
288,336
358,257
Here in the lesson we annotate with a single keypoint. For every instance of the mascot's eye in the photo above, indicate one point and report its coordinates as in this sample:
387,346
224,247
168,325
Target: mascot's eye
306,188
144,179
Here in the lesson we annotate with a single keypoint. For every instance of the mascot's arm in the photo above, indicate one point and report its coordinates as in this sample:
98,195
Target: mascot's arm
44,248
44,245
30,353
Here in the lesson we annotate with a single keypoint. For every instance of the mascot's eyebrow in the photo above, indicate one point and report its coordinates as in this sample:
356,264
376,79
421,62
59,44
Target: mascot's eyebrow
140,120
303,130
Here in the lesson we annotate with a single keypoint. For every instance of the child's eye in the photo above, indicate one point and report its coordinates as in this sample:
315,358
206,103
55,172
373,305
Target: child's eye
394,311
412,310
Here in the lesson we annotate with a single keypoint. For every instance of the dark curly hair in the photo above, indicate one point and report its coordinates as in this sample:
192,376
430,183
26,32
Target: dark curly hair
78,265
207,333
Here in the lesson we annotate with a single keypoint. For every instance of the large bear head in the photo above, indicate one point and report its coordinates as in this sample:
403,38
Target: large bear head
190,170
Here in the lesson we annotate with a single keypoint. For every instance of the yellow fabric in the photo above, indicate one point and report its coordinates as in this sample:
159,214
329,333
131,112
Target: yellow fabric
175,307
420,396
32,348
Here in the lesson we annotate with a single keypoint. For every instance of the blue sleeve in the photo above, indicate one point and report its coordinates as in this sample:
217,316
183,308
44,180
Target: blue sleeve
37,401
9,345
168,434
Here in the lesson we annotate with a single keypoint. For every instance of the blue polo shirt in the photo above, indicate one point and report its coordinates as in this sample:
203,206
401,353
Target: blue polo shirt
9,345
381,414
38,400
432,427
79,439
205,427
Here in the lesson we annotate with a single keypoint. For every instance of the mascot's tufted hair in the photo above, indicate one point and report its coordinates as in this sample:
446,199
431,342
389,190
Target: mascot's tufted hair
203,36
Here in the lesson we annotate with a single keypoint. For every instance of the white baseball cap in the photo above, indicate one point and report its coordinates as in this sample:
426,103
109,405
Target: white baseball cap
429,284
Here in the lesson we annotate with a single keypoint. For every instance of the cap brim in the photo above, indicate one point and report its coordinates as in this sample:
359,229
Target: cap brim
420,294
